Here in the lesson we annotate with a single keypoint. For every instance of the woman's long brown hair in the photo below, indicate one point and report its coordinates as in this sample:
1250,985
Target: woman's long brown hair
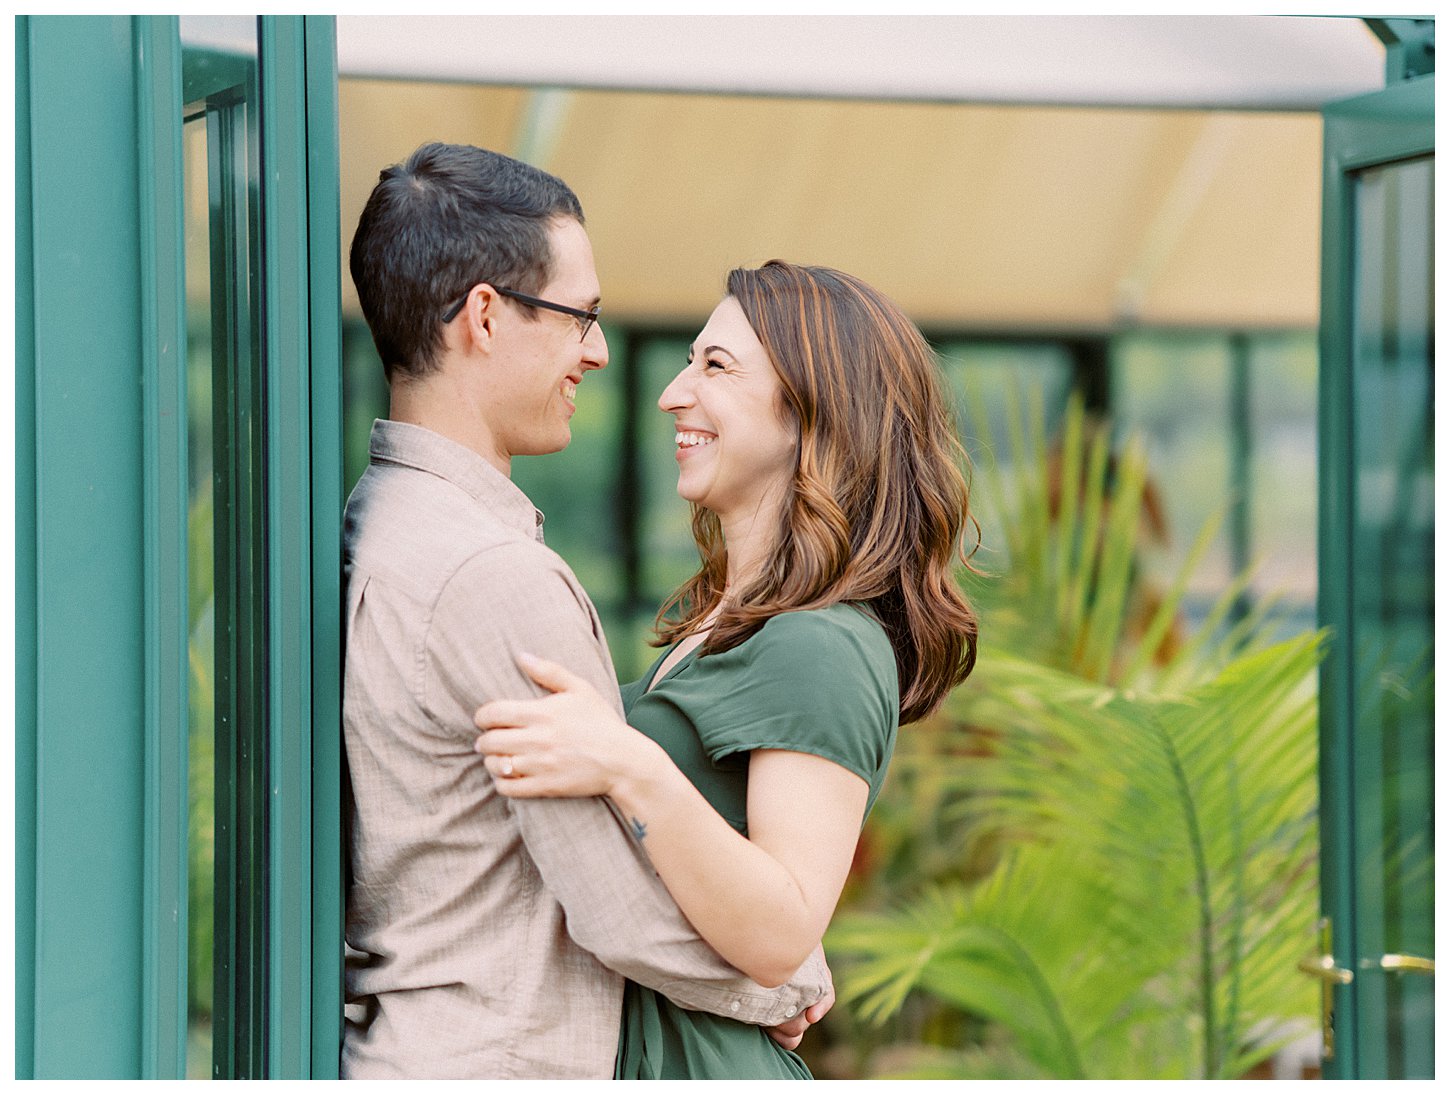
877,508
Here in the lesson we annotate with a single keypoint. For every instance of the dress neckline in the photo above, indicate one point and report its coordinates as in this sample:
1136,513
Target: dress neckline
651,683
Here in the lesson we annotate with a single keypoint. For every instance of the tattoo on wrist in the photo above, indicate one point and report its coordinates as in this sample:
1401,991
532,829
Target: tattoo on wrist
637,827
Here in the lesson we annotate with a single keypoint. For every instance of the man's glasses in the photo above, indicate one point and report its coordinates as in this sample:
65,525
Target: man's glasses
584,318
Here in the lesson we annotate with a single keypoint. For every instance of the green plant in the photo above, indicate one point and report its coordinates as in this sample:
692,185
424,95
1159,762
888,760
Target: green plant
1158,883
1114,833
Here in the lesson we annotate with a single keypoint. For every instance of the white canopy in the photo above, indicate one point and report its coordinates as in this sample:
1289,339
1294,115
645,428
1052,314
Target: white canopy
1236,61
1078,173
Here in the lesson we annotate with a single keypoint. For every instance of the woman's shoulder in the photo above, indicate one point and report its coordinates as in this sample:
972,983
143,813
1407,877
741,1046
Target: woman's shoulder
844,625
810,648
819,680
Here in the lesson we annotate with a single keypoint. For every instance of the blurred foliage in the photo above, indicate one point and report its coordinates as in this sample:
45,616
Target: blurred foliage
1099,858
201,791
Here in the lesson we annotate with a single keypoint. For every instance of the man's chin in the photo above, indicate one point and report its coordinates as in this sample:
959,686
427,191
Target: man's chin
545,448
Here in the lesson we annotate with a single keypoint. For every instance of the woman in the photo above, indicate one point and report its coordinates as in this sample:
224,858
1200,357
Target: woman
829,503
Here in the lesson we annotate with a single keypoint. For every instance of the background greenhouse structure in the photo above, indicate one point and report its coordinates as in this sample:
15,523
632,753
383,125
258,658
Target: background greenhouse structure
1179,275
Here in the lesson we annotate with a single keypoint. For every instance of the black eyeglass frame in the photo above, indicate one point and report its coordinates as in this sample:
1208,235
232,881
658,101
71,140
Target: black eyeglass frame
588,317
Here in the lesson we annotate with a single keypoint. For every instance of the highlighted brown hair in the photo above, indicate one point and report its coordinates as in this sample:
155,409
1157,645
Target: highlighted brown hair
877,508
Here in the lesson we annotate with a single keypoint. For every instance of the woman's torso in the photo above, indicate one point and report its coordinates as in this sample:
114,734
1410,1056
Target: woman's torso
821,681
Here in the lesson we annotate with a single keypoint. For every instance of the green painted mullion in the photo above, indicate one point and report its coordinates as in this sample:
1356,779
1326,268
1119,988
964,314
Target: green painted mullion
1336,576
26,617
163,350
325,309
289,562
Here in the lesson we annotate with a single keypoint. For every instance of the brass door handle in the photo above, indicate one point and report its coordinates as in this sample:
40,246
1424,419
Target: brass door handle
1322,967
1408,963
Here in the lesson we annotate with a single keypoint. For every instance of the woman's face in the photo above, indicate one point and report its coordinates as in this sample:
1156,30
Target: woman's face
733,449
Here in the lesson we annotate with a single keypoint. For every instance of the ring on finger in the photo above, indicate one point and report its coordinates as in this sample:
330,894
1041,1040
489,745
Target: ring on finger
506,767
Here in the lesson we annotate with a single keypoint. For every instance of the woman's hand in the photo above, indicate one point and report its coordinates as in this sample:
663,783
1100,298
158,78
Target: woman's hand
568,744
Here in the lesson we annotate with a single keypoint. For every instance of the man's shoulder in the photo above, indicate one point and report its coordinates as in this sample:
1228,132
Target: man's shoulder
419,529
408,520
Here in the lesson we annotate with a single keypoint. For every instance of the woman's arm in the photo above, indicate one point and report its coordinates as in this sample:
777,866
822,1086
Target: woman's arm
762,903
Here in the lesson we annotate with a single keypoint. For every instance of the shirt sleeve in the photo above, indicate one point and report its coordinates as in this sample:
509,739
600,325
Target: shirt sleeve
821,682
615,905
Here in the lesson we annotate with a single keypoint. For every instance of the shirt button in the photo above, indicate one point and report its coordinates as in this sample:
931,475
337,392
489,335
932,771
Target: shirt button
734,1005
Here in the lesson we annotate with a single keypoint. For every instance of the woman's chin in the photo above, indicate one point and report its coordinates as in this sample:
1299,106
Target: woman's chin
688,492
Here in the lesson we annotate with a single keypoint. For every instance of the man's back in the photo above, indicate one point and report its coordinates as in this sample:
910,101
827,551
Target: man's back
466,968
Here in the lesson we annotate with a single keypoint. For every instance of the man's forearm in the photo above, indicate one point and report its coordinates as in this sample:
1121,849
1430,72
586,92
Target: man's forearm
616,908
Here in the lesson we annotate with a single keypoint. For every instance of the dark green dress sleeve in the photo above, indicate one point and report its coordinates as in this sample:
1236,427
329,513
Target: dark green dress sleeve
820,682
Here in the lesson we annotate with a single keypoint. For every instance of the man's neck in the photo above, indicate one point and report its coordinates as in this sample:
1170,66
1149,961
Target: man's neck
445,408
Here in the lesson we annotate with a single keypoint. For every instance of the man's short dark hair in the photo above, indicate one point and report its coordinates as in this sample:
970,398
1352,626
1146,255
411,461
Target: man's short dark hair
449,217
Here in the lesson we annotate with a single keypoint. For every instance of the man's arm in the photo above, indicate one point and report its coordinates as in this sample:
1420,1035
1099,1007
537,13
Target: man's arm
515,599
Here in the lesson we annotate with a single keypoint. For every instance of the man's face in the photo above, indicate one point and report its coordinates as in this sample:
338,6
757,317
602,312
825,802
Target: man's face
542,360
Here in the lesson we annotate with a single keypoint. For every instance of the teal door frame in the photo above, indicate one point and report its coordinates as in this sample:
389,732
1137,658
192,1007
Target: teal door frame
1367,132
101,556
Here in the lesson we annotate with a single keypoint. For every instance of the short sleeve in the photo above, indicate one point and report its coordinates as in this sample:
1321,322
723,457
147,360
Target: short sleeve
821,681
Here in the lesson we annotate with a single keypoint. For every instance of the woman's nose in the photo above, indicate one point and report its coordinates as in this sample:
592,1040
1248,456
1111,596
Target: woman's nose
676,395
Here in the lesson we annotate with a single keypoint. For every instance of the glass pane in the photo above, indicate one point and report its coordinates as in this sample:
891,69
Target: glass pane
228,792
1392,591
990,376
1174,390
202,649
1283,473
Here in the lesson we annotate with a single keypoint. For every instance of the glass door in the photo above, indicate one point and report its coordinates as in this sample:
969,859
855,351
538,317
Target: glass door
227,547
1377,586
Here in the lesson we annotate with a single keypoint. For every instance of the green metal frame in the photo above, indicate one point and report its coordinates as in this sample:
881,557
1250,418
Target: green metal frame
27,616
80,743
101,515
1394,124
163,351
304,445
319,36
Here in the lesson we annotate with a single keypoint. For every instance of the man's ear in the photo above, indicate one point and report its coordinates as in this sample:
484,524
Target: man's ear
480,318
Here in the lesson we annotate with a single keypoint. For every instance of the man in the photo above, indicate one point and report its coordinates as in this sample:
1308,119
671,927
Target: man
487,937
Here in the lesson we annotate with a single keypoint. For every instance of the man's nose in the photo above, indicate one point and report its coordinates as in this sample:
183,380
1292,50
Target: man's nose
595,352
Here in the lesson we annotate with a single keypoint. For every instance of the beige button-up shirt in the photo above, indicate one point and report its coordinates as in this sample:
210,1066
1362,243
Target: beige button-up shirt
486,937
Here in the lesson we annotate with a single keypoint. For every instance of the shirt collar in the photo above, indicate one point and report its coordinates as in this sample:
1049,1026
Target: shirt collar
416,447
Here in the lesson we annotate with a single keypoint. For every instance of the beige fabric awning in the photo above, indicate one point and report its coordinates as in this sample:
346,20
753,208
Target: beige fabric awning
970,215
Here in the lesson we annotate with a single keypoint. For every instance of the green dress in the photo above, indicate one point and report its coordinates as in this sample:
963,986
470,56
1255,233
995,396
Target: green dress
822,682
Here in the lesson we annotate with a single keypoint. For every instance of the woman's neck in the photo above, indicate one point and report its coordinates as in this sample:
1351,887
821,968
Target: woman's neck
749,539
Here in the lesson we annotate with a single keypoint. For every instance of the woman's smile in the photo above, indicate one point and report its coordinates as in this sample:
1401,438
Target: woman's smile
687,441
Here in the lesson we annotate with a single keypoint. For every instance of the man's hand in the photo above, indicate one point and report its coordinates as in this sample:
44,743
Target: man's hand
790,1033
